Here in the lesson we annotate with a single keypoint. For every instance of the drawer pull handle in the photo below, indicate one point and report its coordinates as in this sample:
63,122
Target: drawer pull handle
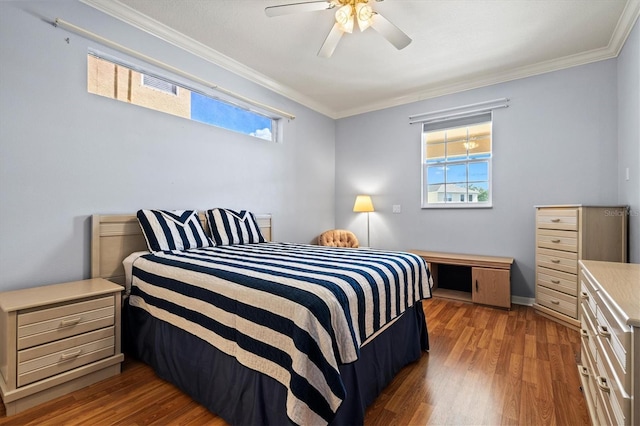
70,356
555,260
604,331
555,281
557,240
603,384
556,220
584,371
70,322
555,302
584,333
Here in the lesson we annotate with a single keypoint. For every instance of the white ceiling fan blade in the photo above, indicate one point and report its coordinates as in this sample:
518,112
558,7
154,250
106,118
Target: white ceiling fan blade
389,31
330,42
310,6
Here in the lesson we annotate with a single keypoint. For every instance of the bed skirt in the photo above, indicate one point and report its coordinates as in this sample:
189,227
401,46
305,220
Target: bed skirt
242,396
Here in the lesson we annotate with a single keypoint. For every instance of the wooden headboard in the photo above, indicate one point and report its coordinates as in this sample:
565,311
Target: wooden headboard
114,237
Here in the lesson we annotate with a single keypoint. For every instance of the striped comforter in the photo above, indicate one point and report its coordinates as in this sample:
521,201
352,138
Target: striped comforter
291,311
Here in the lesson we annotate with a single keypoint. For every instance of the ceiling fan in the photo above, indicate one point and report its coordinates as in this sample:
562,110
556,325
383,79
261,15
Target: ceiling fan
348,12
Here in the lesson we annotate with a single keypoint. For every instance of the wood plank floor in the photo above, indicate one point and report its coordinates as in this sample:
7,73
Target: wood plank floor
486,366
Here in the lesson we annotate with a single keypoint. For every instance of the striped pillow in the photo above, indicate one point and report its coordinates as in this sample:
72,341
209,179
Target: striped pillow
229,227
172,230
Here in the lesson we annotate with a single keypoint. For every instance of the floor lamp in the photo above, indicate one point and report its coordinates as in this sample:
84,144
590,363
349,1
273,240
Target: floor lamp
364,204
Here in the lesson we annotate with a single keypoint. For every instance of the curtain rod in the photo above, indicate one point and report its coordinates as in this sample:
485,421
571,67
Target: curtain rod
95,37
460,114
495,101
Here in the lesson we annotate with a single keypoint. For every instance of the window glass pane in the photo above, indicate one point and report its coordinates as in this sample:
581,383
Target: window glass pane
456,173
211,111
456,150
435,174
480,191
434,153
455,191
116,81
479,171
435,137
436,193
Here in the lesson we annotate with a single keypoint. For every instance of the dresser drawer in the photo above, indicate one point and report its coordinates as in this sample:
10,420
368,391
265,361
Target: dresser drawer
566,219
53,358
589,287
616,402
615,343
46,325
560,302
589,336
565,261
588,377
558,280
588,303
558,240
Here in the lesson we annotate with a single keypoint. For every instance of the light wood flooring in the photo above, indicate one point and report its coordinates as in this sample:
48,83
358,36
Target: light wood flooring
486,366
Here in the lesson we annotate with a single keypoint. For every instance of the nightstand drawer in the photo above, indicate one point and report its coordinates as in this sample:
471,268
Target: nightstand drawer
46,325
557,301
46,360
557,219
558,240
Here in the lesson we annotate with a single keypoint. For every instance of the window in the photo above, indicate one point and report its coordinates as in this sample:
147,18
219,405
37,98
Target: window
456,162
117,81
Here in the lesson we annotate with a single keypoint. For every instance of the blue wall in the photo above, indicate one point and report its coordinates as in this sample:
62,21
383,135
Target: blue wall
557,143
66,154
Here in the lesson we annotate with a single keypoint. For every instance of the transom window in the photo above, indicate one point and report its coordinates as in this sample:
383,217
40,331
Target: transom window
117,81
456,162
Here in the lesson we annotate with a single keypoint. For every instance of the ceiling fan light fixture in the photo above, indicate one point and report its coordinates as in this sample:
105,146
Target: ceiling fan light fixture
344,18
364,13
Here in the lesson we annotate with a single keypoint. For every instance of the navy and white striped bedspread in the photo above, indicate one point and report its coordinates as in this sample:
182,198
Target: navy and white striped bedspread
291,311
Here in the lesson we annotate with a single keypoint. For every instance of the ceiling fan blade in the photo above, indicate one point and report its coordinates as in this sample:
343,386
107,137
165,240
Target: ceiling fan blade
389,31
310,6
330,42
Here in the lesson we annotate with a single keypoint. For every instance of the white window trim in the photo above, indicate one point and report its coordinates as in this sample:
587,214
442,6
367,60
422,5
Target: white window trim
452,204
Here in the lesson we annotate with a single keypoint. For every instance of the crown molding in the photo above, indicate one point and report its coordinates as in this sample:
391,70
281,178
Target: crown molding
483,80
623,28
142,22
130,16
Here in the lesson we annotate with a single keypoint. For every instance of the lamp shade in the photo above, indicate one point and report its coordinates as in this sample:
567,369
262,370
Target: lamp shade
363,204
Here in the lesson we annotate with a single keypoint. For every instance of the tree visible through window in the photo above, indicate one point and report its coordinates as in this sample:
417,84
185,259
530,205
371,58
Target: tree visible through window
116,81
456,162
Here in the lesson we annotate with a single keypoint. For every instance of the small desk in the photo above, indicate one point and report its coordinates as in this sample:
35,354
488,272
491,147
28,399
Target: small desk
490,277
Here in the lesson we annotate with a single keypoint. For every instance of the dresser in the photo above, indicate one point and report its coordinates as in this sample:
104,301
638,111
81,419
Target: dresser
566,234
56,339
609,364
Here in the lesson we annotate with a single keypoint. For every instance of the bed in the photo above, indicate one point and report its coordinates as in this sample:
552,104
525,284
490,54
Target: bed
266,332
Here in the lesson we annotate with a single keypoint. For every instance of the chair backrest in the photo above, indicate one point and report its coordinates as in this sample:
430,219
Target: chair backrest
338,238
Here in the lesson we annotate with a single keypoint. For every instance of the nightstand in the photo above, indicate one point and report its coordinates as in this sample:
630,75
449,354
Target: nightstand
56,339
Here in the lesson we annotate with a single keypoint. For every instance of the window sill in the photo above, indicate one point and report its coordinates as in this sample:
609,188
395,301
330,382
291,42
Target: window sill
458,206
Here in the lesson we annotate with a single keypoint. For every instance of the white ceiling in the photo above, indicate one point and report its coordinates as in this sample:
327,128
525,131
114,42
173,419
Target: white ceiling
457,44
